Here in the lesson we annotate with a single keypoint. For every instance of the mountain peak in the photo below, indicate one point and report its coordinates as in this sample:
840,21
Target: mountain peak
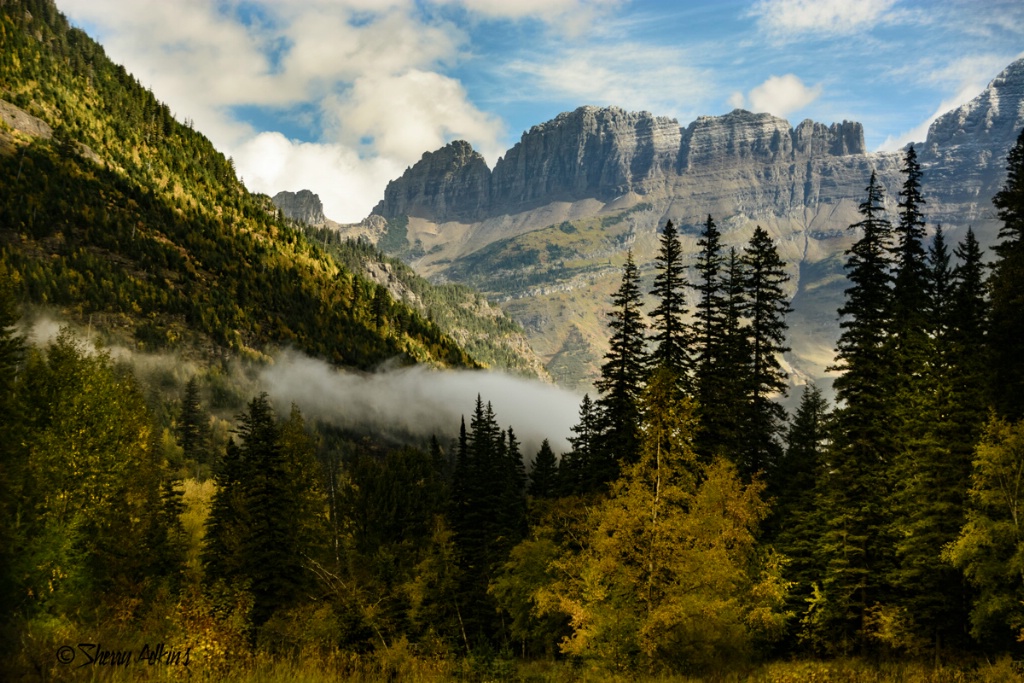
972,138
601,153
303,206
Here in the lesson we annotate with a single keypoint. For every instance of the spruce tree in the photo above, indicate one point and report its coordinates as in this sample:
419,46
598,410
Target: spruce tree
271,558
765,275
670,332
855,549
621,379
193,426
707,324
970,357
544,473
910,284
576,468
795,525
225,524
1006,283
714,372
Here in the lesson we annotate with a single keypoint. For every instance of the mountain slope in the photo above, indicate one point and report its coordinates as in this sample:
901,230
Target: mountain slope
545,232
484,330
126,216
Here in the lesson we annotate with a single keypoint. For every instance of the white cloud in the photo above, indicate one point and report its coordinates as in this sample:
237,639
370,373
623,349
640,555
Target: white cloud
639,77
347,185
790,18
779,95
411,113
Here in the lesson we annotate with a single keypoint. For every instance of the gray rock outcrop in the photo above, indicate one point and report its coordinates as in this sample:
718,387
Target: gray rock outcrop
965,153
302,206
602,153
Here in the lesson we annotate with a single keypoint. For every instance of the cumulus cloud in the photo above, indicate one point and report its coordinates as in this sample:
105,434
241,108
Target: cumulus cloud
792,18
779,95
410,113
347,184
421,401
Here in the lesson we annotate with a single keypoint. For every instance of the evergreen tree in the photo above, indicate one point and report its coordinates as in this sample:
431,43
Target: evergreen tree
226,522
512,506
621,379
576,468
939,300
12,458
708,323
257,532
544,473
271,558
765,275
796,522
193,425
967,337
488,514
721,373
910,284
1006,283
855,549
670,333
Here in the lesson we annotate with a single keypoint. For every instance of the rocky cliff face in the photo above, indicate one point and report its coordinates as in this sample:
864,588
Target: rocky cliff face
744,138
302,206
449,184
965,153
601,154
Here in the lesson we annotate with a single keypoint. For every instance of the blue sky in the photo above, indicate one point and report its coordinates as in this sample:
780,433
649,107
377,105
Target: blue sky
340,96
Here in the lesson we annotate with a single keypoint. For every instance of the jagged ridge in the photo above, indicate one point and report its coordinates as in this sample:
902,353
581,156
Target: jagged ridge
601,153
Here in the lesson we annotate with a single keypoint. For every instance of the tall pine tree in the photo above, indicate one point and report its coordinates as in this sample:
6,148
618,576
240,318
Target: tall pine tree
670,331
1006,283
621,378
764,278
854,548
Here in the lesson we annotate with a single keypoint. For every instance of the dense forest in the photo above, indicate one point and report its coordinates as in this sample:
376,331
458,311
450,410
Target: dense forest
166,524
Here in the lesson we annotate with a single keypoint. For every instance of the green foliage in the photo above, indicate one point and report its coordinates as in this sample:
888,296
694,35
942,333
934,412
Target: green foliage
669,577
795,525
395,239
990,548
854,548
544,473
264,516
490,336
764,275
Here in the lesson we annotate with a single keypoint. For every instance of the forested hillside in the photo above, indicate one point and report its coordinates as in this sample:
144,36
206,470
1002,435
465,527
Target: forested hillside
130,217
